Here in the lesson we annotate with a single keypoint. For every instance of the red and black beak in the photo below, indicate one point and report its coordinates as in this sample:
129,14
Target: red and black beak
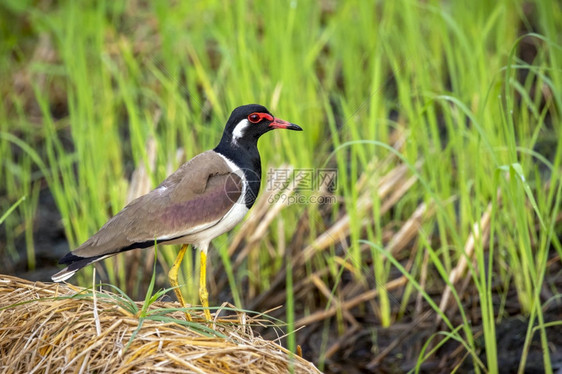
281,124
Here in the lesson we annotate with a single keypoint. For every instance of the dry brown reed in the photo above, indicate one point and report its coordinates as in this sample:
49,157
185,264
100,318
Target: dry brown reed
58,328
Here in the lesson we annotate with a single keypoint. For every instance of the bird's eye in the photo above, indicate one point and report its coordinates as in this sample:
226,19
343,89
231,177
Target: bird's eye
254,118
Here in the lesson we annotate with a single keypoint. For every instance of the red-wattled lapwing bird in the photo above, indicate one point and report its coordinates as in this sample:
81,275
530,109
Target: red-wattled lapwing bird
206,197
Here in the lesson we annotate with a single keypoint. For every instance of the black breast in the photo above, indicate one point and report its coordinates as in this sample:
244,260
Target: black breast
253,181
247,158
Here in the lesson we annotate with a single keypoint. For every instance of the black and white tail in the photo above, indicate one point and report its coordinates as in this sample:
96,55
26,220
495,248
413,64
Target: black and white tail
75,263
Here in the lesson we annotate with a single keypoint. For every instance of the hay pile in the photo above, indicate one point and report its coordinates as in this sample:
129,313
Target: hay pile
43,329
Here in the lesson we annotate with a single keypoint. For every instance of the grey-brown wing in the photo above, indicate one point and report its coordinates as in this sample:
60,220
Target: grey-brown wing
195,197
189,214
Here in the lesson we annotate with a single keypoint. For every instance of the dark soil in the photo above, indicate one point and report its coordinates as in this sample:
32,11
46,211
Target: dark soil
49,239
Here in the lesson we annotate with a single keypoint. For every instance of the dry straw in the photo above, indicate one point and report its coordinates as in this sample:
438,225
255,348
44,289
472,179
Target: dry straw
51,328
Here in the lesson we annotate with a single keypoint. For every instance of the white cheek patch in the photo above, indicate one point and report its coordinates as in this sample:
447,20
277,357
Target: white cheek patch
240,129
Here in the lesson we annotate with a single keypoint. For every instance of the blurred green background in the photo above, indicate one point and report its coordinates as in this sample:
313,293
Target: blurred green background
441,120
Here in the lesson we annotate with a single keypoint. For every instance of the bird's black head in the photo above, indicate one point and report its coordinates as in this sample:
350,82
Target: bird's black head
240,140
248,122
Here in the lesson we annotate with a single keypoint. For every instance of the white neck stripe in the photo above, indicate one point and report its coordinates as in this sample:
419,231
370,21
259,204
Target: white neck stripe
239,130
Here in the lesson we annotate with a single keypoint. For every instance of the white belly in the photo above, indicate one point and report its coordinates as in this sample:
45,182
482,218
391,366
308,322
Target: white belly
231,219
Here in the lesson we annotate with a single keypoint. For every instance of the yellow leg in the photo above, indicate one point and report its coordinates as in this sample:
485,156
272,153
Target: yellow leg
173,277
203,294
